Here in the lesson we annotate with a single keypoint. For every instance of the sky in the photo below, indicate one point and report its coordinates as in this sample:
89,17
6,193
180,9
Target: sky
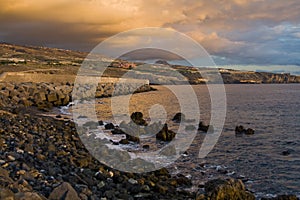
234,32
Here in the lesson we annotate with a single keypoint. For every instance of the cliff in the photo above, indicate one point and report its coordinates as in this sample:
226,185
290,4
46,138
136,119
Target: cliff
232,76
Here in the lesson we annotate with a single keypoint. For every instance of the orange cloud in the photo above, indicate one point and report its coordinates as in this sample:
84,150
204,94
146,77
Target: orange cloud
218,25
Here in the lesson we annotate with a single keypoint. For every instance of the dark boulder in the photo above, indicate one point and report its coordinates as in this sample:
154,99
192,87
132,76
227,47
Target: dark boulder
249,131
109,126
179,117
205,128
165,134
117,131
286,152
241,130
137,118
132,138
232,189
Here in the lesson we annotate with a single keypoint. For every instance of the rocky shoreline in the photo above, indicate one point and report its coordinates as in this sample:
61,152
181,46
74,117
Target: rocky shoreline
43,158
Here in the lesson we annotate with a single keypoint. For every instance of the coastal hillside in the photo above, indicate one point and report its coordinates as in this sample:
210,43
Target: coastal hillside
32,59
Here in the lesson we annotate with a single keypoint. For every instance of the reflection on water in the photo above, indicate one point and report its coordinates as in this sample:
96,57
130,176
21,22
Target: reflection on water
272,110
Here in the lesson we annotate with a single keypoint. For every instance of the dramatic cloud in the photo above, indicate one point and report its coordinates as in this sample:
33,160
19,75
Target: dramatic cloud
233,31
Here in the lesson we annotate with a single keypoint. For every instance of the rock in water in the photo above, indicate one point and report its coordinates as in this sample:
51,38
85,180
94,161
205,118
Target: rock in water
117,131
179,117
286,152
205,128
132,138
137,118
239,130
165,134
109,126
249,131
232,189
64,191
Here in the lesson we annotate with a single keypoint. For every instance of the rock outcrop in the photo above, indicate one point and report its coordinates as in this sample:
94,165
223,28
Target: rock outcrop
241,130
219,189
165,134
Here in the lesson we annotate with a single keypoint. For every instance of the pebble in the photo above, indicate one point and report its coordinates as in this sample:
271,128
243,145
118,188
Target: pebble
21,172
132,181
101,184
11,158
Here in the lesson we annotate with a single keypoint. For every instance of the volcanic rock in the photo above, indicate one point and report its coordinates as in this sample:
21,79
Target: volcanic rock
165,134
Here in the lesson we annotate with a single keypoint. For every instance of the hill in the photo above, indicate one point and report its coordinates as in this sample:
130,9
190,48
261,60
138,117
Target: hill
32,59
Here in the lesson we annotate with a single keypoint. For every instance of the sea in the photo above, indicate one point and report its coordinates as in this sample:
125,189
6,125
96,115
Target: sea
268,162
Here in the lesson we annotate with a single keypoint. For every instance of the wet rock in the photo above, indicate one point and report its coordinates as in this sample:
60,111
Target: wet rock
132,138
117,131
241,130
179,117
137,118
205,128
115,142
64,191
109,126
165,134
249,131
219,189
286,152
